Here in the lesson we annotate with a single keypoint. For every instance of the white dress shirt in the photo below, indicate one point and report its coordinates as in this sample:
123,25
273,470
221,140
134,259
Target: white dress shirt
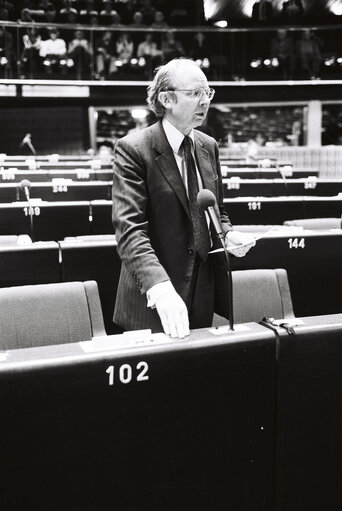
175,139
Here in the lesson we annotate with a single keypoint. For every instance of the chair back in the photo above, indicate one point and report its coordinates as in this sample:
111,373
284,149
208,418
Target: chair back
47,314
258,294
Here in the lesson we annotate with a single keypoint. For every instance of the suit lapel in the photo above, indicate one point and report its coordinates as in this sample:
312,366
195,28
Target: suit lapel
204,166
168,166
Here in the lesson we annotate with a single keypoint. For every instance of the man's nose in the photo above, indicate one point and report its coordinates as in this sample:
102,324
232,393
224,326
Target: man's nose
204,99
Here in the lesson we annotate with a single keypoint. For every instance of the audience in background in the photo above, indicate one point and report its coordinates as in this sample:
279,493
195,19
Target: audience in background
104,55
30,62
308,49
171,47
282,49
292,11
148,12
6,11
54,52
159,20
200,47
108,16
6,53
123,50
79,51
88,14
68,14
149,51
262,11
138,20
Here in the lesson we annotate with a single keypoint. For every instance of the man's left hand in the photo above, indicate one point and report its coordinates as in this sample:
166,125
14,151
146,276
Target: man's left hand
239,243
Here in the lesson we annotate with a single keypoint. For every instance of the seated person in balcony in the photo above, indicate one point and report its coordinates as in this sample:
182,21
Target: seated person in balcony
148,11
171,48
149,51
125,8
308,49
30,58
6,52
292,11
6,11
79,52
50,13
282,48
105,55
54,52
108,16
159,20
138,20
88,14
200,48
124,48
262,11
68,14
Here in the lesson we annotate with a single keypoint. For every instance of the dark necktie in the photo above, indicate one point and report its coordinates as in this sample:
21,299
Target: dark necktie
199,224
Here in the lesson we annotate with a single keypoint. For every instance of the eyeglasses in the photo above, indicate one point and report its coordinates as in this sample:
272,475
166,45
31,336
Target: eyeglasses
196,93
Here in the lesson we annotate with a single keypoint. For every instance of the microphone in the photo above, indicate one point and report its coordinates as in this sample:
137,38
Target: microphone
27,141
25,185
206,201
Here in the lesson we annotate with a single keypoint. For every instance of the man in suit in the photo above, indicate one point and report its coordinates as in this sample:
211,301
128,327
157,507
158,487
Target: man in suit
168,281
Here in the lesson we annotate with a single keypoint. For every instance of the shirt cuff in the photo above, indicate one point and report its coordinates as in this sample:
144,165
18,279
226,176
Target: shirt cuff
155,292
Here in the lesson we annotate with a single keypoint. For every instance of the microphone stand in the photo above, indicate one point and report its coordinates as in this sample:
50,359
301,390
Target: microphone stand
221,237
31,216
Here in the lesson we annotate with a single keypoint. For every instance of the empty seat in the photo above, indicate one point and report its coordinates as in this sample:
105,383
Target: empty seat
316,223
258,294
47,314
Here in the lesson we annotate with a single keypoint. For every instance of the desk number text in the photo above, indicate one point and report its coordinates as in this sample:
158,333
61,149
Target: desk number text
32,211
253,206
125,373
296,243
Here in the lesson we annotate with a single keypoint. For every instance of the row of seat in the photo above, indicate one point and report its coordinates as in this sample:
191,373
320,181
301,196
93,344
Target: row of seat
60,313
40,176
236,187
57,220
312,260
66,189
57,190
11,174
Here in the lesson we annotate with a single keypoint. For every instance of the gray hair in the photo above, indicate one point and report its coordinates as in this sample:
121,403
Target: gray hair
164,80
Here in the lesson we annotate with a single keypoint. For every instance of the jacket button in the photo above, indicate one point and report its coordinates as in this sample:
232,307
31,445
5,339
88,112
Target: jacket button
190,251
187,279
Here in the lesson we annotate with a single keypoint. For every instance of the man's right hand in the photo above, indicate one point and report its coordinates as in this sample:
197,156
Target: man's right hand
173,314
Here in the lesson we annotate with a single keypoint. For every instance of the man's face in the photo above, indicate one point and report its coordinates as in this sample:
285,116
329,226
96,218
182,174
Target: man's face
185,111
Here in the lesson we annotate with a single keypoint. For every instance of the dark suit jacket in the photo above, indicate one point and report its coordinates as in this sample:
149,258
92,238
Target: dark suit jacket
152,220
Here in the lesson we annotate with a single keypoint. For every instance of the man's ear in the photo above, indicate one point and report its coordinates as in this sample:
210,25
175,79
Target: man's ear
164,99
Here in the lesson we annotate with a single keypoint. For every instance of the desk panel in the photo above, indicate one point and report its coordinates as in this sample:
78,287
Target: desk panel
51,221
97,261
186,425
258,173
279,187
15,175
29,264
264,210
63,191
309,439
102,217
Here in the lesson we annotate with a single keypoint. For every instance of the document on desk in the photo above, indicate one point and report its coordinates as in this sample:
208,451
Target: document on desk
256,238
